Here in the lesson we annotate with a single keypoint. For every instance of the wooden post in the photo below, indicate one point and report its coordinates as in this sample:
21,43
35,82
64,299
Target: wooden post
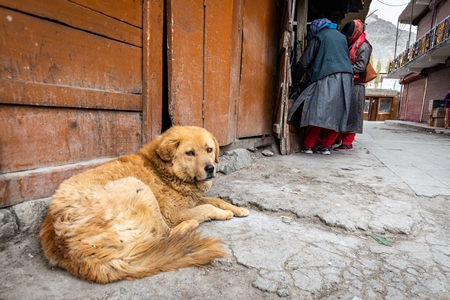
302,19
152,64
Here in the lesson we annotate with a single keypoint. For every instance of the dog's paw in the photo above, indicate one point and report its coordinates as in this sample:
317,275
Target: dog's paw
241,212
185,226
226,215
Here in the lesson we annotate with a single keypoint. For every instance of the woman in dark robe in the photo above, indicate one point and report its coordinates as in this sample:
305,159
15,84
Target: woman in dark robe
360,51
328,97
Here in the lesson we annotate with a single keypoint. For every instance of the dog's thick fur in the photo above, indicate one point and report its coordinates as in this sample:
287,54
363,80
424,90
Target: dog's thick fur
135,215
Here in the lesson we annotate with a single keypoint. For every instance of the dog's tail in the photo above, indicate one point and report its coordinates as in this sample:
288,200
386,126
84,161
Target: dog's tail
178,250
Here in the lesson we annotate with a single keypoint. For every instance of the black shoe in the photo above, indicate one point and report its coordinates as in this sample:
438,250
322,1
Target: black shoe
324,150
307,150
344,148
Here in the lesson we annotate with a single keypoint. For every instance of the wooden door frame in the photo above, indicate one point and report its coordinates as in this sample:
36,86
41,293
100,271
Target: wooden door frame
152,68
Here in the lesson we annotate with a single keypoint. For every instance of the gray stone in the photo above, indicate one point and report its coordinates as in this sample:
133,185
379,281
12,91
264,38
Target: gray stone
336,220
357,284
267,153
283,293
308,280
265,285
8,225
392,293
233,161
31,214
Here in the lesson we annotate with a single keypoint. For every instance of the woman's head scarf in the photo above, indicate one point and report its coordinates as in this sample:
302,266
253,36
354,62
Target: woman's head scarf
354,31
318,25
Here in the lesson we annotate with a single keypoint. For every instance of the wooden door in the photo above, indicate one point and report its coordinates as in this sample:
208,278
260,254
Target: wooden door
222,59
258,76
201,37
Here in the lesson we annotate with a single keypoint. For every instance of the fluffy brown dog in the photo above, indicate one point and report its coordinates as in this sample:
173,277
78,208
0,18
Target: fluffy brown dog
135,215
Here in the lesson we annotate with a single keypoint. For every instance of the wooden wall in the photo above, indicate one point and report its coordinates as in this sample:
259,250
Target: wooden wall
71,89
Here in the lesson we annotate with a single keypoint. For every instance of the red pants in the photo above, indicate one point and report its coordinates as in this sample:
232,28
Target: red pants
314,134
347,138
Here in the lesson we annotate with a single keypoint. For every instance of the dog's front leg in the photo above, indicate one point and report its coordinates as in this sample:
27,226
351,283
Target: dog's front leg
237,211
205,212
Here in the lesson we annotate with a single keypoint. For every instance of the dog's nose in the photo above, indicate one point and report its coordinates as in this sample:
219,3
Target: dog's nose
209,168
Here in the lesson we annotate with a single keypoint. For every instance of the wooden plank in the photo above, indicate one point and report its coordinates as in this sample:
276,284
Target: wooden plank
302,19
394,108
35,137
235,69
35,50
40,183
30,93
152,95
259,62
129,11
217,68
77,16
185,61
294,143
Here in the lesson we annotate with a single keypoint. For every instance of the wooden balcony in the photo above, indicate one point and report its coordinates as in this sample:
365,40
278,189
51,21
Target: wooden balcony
432,49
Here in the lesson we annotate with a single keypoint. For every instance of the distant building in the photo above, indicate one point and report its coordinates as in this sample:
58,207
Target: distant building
381,104
424,67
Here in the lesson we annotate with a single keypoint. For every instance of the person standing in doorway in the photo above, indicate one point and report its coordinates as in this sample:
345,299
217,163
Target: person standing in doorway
360,51
328,95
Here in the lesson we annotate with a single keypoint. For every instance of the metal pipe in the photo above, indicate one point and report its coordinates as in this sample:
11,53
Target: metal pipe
396,40
410,24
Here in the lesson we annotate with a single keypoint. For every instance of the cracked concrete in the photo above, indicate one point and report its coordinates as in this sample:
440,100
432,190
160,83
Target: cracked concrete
308,235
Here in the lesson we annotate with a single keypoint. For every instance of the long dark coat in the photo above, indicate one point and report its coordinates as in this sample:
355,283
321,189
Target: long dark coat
327,102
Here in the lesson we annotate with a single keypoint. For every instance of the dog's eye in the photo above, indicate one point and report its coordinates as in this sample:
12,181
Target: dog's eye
190,153
209,149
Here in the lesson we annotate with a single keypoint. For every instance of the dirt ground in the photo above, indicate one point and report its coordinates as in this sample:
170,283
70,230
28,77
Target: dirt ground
343,226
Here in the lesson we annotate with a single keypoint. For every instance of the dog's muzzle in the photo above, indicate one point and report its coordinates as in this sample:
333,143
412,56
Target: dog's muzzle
209,169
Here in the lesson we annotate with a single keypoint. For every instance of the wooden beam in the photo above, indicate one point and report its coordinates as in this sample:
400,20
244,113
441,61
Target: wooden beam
152,72
40,94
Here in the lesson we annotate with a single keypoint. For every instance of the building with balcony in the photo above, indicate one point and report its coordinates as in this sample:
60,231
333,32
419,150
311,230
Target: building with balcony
424,66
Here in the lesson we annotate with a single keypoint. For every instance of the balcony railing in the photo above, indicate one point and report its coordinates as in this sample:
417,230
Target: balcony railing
429,41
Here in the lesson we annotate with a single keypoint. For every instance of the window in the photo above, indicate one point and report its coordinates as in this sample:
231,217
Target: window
366,106
385,106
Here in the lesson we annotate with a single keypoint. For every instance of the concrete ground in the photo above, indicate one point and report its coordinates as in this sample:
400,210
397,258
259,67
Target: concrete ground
369,224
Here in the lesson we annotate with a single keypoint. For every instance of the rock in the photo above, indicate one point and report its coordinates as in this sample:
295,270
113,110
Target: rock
283,293
265,285
234,160
31,214
267,153
8,225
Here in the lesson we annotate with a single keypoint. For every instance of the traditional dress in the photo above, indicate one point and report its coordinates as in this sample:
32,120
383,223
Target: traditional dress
359,51
327,99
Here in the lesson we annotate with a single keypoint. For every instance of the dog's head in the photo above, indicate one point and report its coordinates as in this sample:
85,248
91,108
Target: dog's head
191,151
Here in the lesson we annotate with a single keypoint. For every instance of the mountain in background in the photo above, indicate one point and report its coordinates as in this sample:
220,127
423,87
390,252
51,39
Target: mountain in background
381,35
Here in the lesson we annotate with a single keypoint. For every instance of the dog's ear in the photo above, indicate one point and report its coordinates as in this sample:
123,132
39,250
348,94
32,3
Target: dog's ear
166,150
216,144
